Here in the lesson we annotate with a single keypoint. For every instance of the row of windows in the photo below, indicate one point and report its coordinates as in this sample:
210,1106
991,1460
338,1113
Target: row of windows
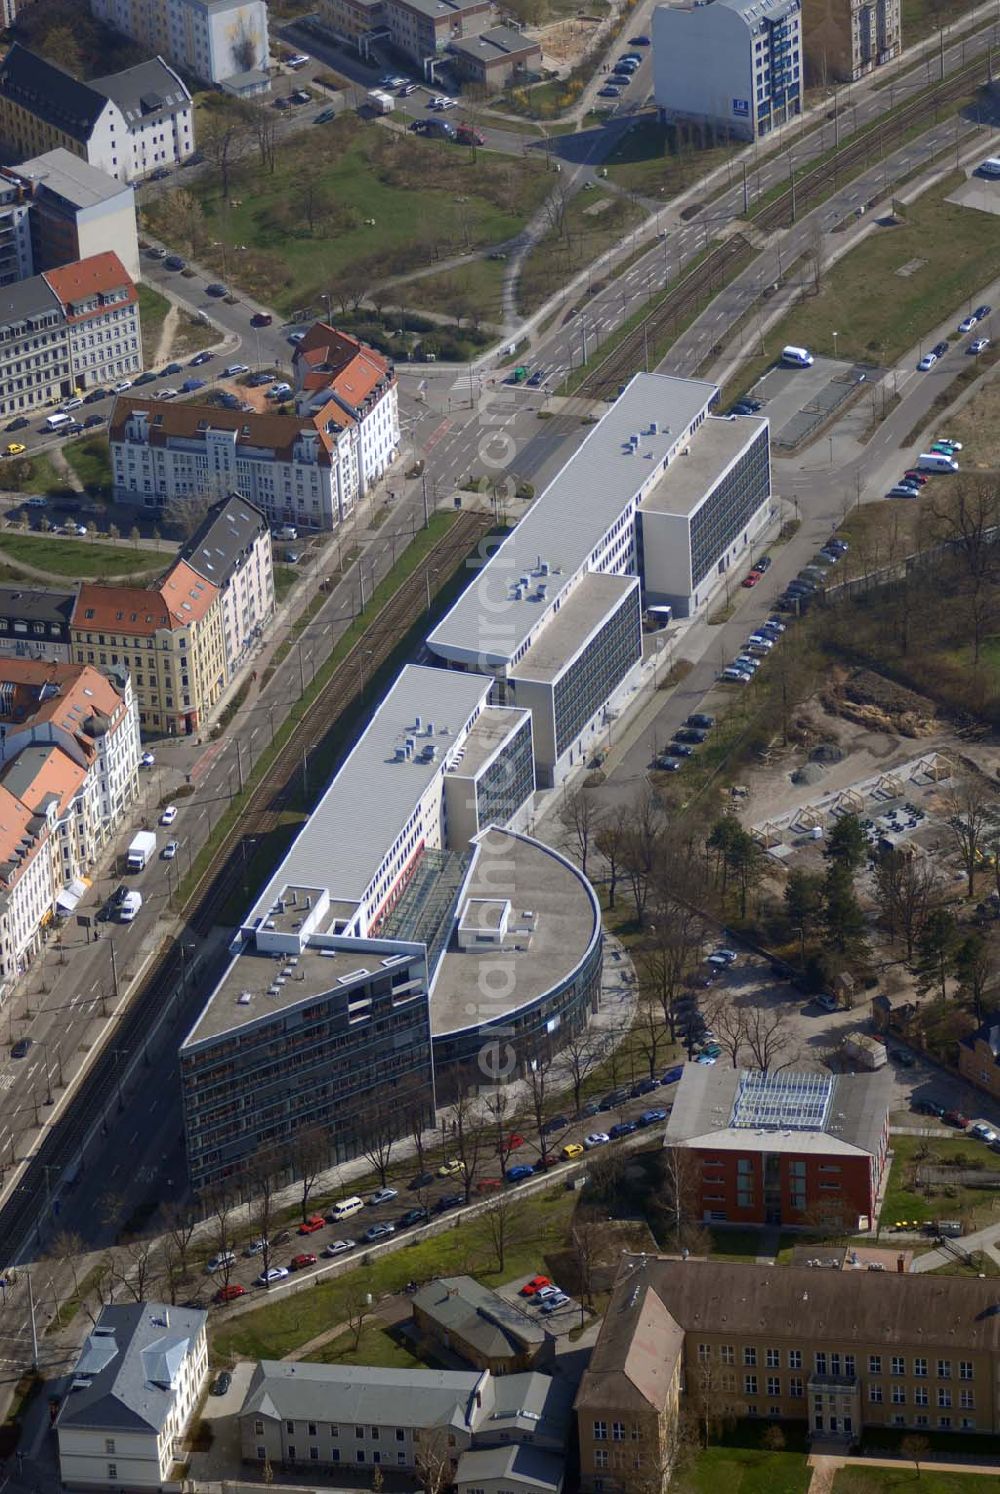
834,1363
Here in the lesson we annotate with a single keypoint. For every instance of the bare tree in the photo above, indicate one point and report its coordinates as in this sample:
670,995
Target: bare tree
433,1460
135,1266
680,1195
308,1159
357,1308
578,1057
218,1204
179,1224
652,1035
65,1248
915,1448
263,1174
537,1080
966,517
664,959
608,841
186,514
502,1220
580,817
970,806
767,1037
264,122
379,1133
907,888
727,1023
469,1134
498,1108
223,139
643,828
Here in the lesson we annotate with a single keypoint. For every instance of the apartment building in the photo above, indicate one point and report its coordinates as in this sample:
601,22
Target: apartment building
67,330
979,1056
332,368
298,1416
26,901
915,1352
784,1148
845,39
412,930
126,124
130,1399
300,470
34,623
15,231
495,58
219,41
72,211
232,549
422,29
653,509
755,81
170,639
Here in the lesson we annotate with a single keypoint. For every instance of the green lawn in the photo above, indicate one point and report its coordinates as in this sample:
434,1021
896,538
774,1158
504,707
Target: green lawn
91,461
375,1346
905,1480
476,285
379,204
152,310
75,558
285,577
540,1226
952,251
745,1470
921,17
593,221
903,1200
657,160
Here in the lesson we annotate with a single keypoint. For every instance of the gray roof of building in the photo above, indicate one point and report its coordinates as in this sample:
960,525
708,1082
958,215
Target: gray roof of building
571,516
347,1393
988,1033
853,1119
372,796
717,443
518,1465
36,604
50,92
437,9
499,41
482,1317
226,534
529,1402
149,91
123,1377
71,178
25,299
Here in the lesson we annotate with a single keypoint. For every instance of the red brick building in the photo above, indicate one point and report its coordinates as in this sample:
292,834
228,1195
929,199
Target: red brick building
805,1149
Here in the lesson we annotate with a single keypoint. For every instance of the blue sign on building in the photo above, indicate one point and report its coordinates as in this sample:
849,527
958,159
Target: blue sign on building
741,108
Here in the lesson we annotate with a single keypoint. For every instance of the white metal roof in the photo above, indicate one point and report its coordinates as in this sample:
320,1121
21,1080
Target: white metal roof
571,517
370,799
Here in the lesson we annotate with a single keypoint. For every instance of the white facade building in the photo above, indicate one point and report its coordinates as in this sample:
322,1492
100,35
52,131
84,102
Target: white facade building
127,124
296,470
216,40
232,548
556,614
131,1396
734,66
71,211
330,366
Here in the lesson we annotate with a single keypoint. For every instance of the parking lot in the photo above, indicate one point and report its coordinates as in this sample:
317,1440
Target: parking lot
797,401
554,1309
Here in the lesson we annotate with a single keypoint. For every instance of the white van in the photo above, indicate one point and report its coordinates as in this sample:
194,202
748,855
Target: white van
57,421
989,167
224,1258
936,461
345,1208
797,357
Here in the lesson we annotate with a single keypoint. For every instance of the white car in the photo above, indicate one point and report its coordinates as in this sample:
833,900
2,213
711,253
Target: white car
927,361
553,1304
947,441
170,850
544,1293
382,1196
968,324
256,1247
236,368
169,815
276,1273
165,394
296,336
337,1247
148,759
122,386
979,345
596,1138
983,1132
299,60
723,957
449,104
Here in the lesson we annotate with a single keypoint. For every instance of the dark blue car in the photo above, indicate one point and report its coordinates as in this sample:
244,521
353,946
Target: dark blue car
623,1128
652,1117
672,1076
519,1173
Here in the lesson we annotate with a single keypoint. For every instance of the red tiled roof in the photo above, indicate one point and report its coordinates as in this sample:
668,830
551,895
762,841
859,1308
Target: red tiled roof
181,598
266,432
81,688
97,275
334,360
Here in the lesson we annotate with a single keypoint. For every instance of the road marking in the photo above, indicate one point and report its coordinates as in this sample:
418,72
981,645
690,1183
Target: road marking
6,1081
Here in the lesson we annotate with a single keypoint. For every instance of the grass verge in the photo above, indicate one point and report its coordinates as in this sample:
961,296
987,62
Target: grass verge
75,558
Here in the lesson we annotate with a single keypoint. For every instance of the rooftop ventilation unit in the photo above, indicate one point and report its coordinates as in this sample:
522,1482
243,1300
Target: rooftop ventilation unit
430,728
653,427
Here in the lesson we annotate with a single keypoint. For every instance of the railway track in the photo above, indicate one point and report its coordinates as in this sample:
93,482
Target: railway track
97,1094
732,255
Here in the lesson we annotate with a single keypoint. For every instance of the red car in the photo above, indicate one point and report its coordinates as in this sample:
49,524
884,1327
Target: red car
230,1293
751,579
488,1185
914,476
957,1119
514,1141
312,1225
535,1285
297,1262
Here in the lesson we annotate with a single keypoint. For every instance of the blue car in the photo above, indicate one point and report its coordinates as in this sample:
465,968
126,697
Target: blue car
623,1128
519,1173
190,385
652,1117
672,1076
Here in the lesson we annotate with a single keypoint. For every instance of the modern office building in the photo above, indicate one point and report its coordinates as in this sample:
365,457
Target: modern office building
72,211
127,124
67,330
845,39
300,470
169,637
781,1148
495,58
128,1404
422,31
232,549
727,1340
34,623
220,41
660,489
754,83
332,368
410,933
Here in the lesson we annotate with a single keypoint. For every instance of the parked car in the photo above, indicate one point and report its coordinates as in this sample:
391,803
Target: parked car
555,1302
596,1139
652,1117
983,1132
412,1217
222,1383
197,360
22,1047
273,1273
170,850
926,362
620,1129
230,1293
382,1196
378,1232
957,1119
449,1201
535,1284
929,1107
338,1247
169,815
979,345
311,1225
300,1262
451,1167
519,1173
571,1151
556,1123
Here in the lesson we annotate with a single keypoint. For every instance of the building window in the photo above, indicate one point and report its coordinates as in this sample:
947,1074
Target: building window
704,1353
820,1362
875,1394
944,1397
773,1385
289,1426
795,1389
795,1359
749,1356
875,1364
109,1445
773,1358
919,1367
618,1431
727,1353
920,1395
965,1369
849,1366
400,1435
600,1457
944,1369
967,1400
600,1431
312,1429
750,1384
359,1433
899,1395
112,1472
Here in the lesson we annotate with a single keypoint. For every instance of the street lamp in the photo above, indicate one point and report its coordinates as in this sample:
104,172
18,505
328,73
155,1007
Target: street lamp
218,244
835,335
